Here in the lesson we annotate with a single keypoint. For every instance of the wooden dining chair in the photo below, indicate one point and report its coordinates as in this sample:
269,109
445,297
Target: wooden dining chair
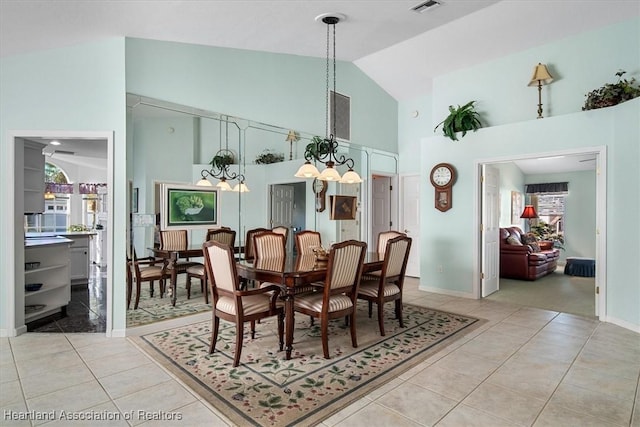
233,304
381,247
223,235
281,230
388,286
338,297
270,252
178,240
307,241
147,269
249,253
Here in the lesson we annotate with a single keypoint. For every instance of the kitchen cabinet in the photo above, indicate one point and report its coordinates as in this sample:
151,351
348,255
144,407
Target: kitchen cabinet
33,177
79,256
52,254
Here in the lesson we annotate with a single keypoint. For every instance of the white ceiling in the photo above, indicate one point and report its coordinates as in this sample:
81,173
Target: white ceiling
399,49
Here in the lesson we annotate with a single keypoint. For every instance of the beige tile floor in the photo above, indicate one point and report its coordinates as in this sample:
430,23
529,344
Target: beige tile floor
524,367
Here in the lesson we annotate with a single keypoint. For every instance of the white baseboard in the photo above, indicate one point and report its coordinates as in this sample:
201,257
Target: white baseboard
13,332
622,324
447,292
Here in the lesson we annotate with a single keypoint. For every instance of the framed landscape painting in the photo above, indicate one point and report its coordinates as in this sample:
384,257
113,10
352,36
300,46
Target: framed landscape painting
188,206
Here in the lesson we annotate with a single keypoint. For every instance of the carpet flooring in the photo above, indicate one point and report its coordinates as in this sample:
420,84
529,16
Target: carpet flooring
267,390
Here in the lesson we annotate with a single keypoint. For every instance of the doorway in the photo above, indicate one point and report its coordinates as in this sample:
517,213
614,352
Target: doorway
287,208
90,305
598,155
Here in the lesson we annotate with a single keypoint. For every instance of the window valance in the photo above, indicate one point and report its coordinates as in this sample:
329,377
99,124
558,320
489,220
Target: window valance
548,187
55,188
92,188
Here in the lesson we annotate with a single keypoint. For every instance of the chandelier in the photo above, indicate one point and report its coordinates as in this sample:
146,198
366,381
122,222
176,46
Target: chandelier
220,170
326,150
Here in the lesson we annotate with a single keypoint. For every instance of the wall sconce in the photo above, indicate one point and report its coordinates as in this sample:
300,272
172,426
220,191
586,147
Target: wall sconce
540,77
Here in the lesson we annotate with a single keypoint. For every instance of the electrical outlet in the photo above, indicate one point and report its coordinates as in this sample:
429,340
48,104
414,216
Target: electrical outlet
440,268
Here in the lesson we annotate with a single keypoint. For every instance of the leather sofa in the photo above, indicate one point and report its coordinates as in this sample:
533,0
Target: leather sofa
522,261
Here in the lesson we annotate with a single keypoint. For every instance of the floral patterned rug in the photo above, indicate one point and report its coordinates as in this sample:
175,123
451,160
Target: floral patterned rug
155,309
267,390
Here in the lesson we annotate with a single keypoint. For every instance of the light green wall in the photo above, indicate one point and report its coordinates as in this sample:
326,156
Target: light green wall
282,90
446,238
412,129
511,179
508,108
580,211
79,88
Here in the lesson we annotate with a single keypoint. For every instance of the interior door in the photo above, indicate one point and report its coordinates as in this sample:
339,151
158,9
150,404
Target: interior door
410,214
490,230
282,209
380,205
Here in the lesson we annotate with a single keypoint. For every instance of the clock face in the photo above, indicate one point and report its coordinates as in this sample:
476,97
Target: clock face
319,186
442,176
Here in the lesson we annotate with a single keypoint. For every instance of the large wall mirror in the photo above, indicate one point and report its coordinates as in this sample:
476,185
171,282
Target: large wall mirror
171,143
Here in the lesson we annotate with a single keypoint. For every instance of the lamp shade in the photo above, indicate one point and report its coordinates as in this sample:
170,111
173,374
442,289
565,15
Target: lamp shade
223,185
351,177
329,174
529,212
241,188
307,170
204,183
540,75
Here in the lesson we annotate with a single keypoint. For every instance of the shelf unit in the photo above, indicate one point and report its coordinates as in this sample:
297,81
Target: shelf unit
33,177
53,273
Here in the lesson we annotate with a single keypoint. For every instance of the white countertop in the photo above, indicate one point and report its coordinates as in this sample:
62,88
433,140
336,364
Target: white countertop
46,240
66,233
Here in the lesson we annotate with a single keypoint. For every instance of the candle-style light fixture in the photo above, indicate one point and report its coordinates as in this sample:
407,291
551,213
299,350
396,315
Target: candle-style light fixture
326,150
220,170
540,77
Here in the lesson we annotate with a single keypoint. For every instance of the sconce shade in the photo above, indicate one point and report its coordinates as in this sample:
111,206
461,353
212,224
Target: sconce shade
204,183
540,75
307,170
529,212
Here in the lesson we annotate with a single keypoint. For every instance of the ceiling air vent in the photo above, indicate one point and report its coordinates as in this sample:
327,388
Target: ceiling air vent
422,7
70,153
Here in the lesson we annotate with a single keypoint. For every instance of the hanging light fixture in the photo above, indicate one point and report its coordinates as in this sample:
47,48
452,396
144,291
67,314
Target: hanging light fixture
326,150
220,170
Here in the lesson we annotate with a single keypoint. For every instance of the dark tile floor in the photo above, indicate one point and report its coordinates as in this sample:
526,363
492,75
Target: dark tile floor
85,313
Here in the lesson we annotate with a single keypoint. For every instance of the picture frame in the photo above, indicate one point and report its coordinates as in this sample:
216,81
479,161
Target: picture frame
186,206
516,207
343,207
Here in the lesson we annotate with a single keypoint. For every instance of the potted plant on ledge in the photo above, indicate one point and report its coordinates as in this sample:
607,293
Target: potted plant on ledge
461,119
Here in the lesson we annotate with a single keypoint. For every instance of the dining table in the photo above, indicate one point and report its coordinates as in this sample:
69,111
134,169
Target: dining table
296,271
173,255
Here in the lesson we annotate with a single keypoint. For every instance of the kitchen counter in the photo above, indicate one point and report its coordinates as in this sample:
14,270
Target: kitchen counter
66,233
45,241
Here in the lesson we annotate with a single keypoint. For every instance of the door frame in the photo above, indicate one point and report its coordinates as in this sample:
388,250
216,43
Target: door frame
394,198
14,245
601,218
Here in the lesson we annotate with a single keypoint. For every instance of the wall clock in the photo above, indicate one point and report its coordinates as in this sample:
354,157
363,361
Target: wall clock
320,190
443,176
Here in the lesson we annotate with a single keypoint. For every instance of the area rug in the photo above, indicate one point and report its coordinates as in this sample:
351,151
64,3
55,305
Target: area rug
267,390
155,309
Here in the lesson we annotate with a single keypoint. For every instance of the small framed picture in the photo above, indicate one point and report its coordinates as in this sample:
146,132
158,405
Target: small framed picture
343,207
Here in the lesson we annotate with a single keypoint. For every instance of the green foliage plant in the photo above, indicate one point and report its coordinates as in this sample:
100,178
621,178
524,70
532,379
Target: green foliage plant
221,159
317,148
544,231
267,157
461,119
612,93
